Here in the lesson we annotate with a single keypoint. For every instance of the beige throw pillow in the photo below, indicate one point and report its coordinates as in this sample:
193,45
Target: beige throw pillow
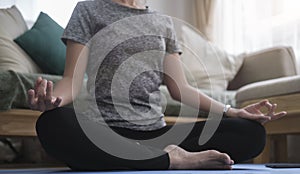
12,57
207,66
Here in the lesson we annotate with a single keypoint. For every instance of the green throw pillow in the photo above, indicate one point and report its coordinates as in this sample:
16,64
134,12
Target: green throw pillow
43,44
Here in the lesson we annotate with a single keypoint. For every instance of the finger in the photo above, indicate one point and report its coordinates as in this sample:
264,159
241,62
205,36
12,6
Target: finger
261,104
37,83
31,98
48,99
57,102
252,116
256,117
41,90
269,106
272,110
279,115
41,95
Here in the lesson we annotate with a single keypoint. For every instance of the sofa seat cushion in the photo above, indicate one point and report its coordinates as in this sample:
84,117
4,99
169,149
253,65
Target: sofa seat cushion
269,88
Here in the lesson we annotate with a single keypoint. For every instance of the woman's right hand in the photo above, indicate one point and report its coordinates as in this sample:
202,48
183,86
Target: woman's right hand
40,98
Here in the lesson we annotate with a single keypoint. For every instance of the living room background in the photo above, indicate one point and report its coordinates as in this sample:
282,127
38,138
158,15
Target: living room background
289,28
250,25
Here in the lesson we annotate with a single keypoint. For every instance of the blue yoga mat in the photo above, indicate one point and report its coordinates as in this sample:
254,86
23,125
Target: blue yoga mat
237,169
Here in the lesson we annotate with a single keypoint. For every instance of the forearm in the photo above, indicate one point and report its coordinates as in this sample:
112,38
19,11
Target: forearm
70,85
64,89
196,99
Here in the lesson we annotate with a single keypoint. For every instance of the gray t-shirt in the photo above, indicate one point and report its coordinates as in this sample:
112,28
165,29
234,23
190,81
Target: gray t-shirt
125,66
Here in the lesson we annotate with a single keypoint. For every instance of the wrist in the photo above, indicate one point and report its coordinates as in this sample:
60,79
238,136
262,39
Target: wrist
226,109
231,112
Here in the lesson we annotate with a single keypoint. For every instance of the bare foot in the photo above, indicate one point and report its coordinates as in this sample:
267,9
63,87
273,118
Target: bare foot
210,159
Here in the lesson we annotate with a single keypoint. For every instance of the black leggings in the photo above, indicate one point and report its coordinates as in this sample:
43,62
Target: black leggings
62,137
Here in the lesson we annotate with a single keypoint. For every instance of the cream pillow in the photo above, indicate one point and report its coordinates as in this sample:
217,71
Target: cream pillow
12,57
207,66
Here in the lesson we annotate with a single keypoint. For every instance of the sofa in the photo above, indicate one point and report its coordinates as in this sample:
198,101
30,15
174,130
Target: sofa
243,79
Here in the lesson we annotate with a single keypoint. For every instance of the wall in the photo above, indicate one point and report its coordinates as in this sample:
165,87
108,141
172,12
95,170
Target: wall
59,10
182,9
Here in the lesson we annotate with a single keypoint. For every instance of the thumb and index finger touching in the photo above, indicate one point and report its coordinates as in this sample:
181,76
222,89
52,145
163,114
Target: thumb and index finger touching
271,109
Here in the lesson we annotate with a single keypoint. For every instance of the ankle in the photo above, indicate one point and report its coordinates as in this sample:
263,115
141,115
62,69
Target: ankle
177,156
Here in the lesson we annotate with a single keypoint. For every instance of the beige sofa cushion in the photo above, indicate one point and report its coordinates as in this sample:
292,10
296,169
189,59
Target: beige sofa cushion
12,57
269,88
266,64
207,66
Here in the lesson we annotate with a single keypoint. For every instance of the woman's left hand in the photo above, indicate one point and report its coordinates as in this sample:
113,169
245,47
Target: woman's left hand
253,112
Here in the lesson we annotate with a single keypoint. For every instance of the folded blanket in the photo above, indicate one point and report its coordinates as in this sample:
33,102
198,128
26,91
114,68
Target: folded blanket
14,87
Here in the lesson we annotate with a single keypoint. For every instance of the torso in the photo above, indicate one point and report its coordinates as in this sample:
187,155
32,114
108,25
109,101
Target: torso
126,64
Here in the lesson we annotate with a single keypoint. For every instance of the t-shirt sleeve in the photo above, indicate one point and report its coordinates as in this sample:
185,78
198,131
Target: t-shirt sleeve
80,26
172,43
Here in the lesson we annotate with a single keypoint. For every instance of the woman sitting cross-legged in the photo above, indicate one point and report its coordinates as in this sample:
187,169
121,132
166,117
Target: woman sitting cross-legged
139,120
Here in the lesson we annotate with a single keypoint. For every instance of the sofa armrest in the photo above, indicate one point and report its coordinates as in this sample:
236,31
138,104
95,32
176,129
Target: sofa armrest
264,65
268,88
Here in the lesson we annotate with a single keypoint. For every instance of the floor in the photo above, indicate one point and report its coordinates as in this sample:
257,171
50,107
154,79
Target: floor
237,169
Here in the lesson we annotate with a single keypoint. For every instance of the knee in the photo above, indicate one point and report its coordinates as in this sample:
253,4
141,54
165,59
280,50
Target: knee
256,136
51,127
47,120
253,131
53,124
256,131
260,136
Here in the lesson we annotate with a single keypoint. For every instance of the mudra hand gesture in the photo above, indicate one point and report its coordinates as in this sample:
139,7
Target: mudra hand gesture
253,112
41,98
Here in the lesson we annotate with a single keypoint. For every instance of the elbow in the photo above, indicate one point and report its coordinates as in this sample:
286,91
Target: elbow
175,96
177,92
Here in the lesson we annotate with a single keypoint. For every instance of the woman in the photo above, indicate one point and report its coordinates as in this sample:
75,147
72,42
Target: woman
239,137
